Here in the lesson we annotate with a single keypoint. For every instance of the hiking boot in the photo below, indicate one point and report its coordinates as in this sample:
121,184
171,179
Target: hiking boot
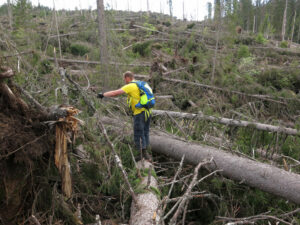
146,155
138,157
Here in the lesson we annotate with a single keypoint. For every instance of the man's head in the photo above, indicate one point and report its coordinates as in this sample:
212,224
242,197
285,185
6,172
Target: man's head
128,76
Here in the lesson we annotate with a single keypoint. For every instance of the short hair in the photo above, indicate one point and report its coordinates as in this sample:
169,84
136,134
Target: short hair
128,74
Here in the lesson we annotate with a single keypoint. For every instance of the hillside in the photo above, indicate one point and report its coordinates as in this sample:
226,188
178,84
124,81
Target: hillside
212,70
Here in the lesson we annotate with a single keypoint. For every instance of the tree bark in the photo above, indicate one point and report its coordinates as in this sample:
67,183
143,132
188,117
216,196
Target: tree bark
57,30
148,203
284,21
9,14
256,174
230,122
102,32
170,8
293,28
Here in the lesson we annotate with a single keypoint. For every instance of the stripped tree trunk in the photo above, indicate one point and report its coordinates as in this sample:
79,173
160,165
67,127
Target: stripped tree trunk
293,28
170,7
284,21
256,174
147,211
102,32
9,14
230,122
57,30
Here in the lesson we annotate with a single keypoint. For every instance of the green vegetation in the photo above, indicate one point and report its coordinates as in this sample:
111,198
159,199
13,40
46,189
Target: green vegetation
244,62
260,39
284,44
79,49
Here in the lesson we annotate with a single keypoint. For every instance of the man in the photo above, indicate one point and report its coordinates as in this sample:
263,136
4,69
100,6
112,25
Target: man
141,116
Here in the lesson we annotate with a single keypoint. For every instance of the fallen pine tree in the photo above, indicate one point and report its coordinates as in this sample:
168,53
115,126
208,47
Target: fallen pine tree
253,173
227,121
244,170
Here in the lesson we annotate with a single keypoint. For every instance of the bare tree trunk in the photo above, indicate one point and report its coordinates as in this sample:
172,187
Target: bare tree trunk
9,14
229,122
284,21
219,27
183,17
256,174
298,38
102,32
171,8
254,20
57,30
148,8
293,28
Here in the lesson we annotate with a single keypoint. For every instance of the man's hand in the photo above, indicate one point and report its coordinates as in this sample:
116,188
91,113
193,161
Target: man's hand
100,95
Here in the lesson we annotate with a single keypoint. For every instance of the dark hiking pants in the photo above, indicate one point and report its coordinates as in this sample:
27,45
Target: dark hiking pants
141,128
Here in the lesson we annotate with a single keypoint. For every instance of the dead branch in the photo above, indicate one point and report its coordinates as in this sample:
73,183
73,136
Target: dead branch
180,69
164,96
23,146
252,219
167,198
177,125
89,103
34,220
118,160
187,193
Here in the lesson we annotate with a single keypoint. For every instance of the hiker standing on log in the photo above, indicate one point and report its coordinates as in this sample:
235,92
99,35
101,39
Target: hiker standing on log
140,108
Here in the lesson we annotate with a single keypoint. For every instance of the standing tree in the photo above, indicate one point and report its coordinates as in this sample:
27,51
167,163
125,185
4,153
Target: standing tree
228,7
57,30
217,11
170,7
218,21
102,32
183,17
148,8
293,28
9,14
284,21
209,10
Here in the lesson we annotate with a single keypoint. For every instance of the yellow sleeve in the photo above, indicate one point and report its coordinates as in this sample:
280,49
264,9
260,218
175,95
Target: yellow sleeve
129,88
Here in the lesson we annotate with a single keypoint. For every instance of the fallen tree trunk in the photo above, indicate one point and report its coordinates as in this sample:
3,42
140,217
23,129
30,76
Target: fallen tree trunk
145,210
97,63
230,122
256,174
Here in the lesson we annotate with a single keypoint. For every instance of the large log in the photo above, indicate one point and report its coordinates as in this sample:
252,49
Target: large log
256,174
148,202
230,122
